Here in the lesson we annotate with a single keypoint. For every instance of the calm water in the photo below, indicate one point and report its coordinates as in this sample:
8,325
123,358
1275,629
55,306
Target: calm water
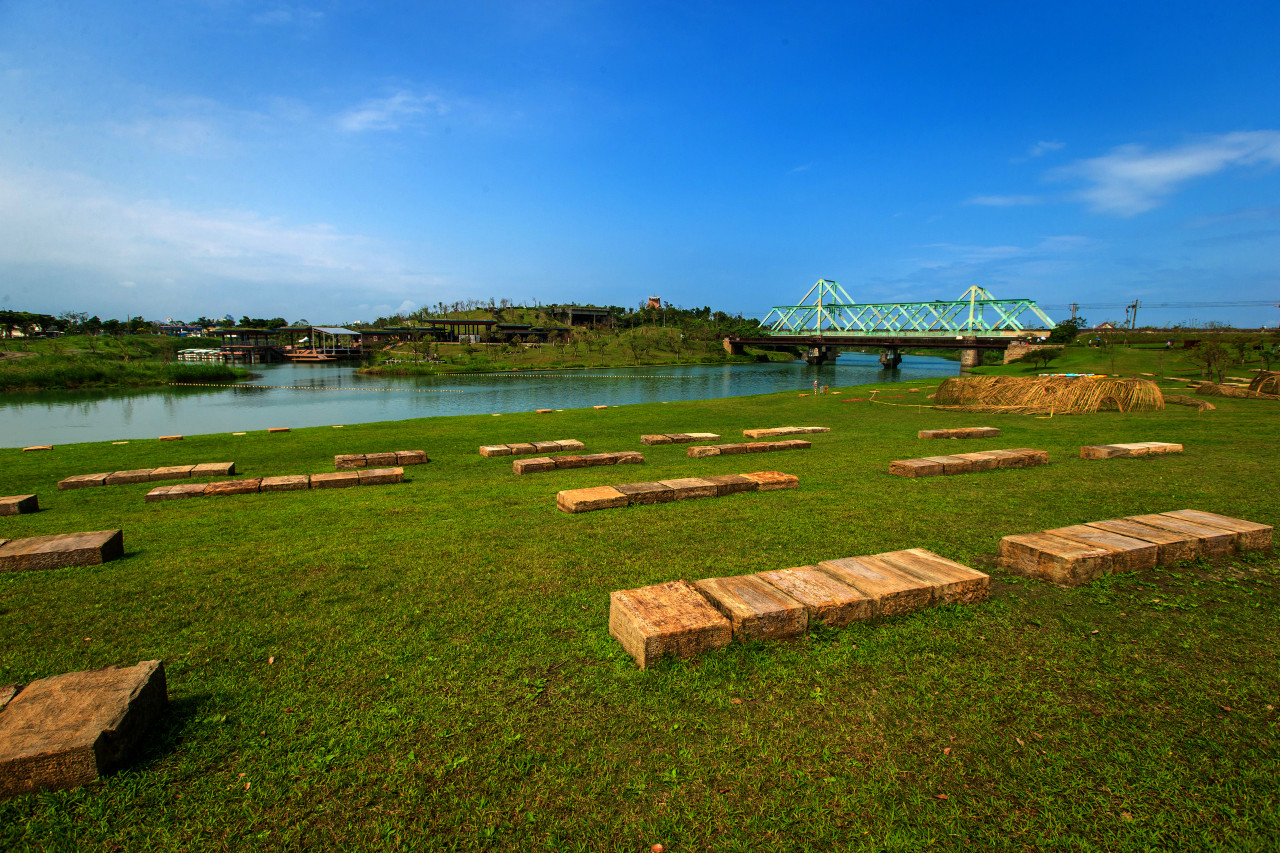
315,395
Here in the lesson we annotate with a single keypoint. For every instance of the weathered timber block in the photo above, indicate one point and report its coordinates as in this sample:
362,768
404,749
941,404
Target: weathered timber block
729,484
138,475
69,730
687,488
570,460
915,468
286,483
277,429
172,472
654,439
411,457
731,449
522,448
1061,561
979,461
537,465
175,492
214,469
1173,547
1159,448
1102,451
629,457
19,504
599,407
83,481
588,500
1250,536
1128,554
666,619
1007,458
754,608
37,447
1211,542
825,598
380,476
1032,456
348,461
542,411
792,444
247,486
592,459
891,591
959,432
547,447
702,451
772,481
773,432
680,438
171,438
953,583
570,444
379,460
1134,449
702,436
759,446
646,493
336,480
495,450
951,464
59,550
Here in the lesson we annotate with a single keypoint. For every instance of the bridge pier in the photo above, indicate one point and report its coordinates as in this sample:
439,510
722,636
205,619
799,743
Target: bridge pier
733,347
890,358
821,354
970,356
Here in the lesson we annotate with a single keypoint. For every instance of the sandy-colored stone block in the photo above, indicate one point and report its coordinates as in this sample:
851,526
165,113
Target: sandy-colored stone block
959,432
570,444
247,486
37,447
654,439
702,451
1101,451
731,484
1054,559
411,457
178,491
1007,458
589,500
495,450
286,483
569,460
825,598
19,504
214,469
1211,542
277,429
915,468
336,480
379,460
892,591
350,461
646,493
628,457
791,444
1250,535
522,448
547,447
731,449
702,436
1128,554
590,460
138,475
979,461
1161,448
69,730
380,476
755,609
772,481
171,438
1032,456
688,488
172,472
62,549
1172,547
543,411
536,465
952,582
666,619
951,464
83,481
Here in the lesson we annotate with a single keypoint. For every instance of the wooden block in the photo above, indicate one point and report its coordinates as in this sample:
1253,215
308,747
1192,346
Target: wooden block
730,484
680,438
1052,558
599,407
646,493
654,439
772,481
730,449
19,504
336,480
1032,456
588,500
1172,547
1159,448
1007,459
536,465
953,583
411,457
379,460
71,729
951,464
760,433
380,476
547,446
543,411
37,447
495,450
249,486
61,549
138,475
629,457
592,459
570,444
1128,554
755,609
522,449
1134,449
1211,542
171,438
792,444
891,591
759,446
702,451
214,469
1102,451
349,461
571,460
277,429
82,481
286,483
666,619
980,461
915,468
825,598
175,492
172,472
809,430
703,436
1250,536
687,488
959,432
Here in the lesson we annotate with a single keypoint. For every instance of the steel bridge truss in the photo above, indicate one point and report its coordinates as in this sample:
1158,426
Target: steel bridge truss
833,311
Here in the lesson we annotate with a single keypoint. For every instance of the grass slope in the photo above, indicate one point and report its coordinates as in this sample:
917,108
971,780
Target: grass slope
443,675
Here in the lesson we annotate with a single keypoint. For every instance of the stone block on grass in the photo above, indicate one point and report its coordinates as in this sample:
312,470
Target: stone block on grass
1249,535
247,486
380,476
172,472
915,468
547,446
701,452
83,481
772,481
69,730
646,493
730,484
495,450
952,582
286,483
171,438
628,457
825,599
335,480
1211,542
1007,459
522,448
792,444
411,457
951,464
755,609
591,459
1054,559
654,439
979,461
570,444
19,504
175,492
1102,451
1172,547
892,591
1128,554
379,460
1032,456
37,447
348,461
666,619
138,475
543,411
569,461
57,551
688,488
536,465
214,469
588,500
731,449
277,429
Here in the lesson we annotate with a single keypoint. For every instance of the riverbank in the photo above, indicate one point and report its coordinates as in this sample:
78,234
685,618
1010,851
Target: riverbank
83,361
369,668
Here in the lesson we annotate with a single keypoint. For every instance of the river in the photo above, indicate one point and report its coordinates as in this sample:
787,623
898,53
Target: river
302,395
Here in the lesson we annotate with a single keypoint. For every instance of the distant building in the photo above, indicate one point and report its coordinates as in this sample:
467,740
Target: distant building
1107,325
655,302
180,330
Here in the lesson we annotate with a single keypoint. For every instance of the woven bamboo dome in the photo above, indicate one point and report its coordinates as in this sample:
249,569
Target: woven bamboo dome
1063,395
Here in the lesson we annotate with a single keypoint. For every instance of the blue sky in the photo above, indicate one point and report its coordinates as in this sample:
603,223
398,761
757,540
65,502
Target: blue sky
339,161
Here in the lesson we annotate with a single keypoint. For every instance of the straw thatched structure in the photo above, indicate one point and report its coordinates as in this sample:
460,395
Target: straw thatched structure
1209,389
1266,382
1063,395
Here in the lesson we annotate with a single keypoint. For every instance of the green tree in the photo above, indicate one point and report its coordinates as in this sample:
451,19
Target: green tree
1066,331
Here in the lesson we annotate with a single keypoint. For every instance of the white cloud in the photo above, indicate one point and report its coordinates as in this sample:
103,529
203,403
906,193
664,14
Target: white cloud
1004,200
1045,147
1131,179
393,112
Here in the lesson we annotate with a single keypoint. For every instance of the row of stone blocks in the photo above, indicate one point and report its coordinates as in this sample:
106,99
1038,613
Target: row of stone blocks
549,463
287,483
531,447
61,549
380,460
687,619
1080,553
967,463
960,432
1129,451
146,475
70,729
664,491
778,432
748,447
678,438
19,504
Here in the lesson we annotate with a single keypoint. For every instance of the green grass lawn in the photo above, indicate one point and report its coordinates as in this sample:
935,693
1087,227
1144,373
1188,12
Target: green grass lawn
443,676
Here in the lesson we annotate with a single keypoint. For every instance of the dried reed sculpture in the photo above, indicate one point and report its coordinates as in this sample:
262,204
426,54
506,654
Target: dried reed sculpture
1266,382
1062,395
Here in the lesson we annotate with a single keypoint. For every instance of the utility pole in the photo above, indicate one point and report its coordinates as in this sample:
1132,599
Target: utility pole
1131,313
1074,306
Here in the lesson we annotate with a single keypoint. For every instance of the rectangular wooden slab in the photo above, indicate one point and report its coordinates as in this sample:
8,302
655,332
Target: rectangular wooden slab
1212,542
63,549
646,493
587,500
1250,536
1128,554
754,608
824,597
953,583
666,619
1172,547
893,591
19,504
1052,558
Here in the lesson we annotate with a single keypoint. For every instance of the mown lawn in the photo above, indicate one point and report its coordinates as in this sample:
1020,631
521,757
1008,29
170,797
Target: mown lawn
443,677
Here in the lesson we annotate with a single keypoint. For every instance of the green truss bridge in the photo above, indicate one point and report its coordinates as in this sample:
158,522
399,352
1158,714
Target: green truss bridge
828,319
